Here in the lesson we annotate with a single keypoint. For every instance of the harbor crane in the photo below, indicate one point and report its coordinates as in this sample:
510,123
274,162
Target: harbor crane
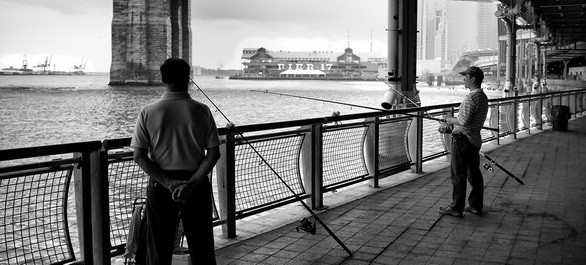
78,69
45,65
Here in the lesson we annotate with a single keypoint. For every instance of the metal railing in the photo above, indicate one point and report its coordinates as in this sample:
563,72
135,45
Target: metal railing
44,221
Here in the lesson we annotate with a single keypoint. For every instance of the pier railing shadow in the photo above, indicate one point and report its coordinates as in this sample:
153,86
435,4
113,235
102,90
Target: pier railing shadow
44,219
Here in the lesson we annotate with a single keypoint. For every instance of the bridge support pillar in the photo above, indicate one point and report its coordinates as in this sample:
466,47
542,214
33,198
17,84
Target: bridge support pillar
144,34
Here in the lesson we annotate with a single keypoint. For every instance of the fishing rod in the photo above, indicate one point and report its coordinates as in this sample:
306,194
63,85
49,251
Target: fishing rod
417,105
354,105
305,226
487,167
501,167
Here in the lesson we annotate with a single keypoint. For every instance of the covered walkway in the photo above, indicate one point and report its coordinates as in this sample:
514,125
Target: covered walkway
541,222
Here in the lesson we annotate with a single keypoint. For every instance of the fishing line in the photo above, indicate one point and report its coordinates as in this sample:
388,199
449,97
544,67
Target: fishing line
407,98
233,126
354,105
385,110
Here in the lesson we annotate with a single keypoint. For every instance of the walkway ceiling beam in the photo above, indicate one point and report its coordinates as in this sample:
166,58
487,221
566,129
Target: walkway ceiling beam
564,21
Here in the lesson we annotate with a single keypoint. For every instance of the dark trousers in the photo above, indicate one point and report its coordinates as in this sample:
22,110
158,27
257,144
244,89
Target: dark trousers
162,219
466,158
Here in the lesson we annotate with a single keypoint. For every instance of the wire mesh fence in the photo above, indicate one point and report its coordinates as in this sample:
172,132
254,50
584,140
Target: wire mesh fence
256,183
33,216
393,144
127,183
343,155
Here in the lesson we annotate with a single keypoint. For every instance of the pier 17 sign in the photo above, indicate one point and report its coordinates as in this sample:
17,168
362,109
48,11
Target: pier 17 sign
308,66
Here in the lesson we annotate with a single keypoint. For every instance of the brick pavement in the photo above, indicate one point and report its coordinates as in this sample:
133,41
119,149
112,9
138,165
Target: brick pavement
541,222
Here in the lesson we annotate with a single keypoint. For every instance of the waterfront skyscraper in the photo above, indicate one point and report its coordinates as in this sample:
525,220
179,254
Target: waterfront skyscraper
448,28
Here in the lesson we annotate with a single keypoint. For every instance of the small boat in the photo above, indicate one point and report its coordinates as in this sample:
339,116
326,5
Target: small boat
220,75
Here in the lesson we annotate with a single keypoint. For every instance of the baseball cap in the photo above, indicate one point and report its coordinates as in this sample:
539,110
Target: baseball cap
475,72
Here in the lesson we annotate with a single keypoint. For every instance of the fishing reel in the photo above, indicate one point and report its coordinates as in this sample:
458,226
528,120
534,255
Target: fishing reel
487,167
307,226
444,128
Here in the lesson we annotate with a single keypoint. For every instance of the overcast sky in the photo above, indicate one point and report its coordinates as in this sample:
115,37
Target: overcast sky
74,29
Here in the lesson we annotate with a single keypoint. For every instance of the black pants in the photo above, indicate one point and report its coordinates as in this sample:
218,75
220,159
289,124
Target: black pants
466,157
162,219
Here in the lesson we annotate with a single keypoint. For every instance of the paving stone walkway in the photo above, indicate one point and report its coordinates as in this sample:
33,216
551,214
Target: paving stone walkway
540,222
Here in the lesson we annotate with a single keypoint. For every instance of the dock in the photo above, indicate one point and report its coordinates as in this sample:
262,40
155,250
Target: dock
540,222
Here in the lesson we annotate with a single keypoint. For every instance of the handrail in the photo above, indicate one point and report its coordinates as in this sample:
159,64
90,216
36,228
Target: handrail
18,153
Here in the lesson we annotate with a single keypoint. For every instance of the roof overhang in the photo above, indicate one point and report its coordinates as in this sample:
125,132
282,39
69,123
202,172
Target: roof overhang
560,25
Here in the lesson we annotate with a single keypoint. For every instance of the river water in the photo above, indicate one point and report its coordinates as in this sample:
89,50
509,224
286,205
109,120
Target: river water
43,110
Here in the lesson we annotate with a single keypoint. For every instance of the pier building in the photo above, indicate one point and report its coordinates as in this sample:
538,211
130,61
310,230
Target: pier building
144,34
267,64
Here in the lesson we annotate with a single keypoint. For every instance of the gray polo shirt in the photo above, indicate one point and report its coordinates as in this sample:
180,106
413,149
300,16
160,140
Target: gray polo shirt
176,130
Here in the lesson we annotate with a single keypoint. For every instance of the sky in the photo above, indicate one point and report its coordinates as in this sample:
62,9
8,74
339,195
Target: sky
71,30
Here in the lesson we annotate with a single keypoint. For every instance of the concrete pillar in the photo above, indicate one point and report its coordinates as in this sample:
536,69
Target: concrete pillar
538,66
187,41
144,34
565,74
511,55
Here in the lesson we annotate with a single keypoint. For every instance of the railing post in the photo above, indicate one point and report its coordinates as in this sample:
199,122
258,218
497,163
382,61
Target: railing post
498,118
515,117
538,111
372,149
317,176
100,207
540,124
226,179
575,104
527,115
419,143
312,165
83,205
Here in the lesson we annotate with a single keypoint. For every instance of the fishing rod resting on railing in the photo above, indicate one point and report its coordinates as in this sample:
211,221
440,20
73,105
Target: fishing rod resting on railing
485,166
306,224
354,105
408,114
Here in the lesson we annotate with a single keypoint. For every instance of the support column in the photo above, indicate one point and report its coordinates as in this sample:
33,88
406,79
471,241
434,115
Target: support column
186,31
565,75
538,67
176,29
402,39
511,55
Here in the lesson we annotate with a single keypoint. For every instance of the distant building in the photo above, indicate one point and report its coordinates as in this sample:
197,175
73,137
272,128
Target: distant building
450,28
196,70
578,72
260,62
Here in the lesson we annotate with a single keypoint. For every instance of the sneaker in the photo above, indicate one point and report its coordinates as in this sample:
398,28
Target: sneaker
473,210
448,211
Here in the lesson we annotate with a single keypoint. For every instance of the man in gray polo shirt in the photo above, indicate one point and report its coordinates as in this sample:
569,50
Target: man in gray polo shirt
176,143
466,143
